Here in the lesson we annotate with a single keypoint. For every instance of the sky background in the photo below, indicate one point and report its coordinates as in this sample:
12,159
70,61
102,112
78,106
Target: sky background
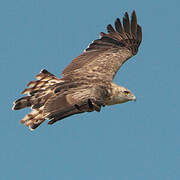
132,141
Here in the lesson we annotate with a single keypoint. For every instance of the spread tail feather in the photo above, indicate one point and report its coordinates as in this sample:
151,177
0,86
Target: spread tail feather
38,92
54,99
33,119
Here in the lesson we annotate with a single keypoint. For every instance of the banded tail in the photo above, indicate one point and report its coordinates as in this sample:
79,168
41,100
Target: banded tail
38,92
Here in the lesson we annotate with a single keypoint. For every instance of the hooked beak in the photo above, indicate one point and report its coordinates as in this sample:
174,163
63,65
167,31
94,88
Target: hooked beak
134,98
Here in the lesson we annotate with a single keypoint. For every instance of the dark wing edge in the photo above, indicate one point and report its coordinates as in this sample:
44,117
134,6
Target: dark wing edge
127,35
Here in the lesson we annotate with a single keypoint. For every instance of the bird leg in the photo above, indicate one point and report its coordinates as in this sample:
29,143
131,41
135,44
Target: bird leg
90,106
95,104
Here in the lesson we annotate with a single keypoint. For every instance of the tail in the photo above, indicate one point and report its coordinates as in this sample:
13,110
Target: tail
38,92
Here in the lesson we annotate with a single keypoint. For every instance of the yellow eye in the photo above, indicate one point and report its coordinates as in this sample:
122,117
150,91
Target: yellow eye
126,92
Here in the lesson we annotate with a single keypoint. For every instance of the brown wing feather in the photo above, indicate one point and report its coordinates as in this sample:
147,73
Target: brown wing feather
62,106
56,105
104,56
75,101
126,24
54,99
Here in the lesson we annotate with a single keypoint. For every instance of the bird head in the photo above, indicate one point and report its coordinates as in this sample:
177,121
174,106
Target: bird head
120,95
125,94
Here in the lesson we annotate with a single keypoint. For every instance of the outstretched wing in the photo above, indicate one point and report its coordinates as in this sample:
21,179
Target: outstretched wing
55,99
104,56
75,101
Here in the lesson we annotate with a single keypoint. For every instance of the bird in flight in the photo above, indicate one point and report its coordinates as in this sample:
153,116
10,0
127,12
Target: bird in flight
87,82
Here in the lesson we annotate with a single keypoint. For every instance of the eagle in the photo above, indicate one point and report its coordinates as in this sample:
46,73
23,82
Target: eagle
87,82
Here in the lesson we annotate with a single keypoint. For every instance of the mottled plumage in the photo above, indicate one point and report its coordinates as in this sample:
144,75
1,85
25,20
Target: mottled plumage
86,84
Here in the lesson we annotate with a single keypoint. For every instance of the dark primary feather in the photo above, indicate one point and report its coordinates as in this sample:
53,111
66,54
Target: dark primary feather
134,24
139,35
126,24
110,29
105,56
118,26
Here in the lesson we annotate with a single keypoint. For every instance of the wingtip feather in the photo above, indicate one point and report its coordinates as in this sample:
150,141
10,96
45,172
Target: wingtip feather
110,29
126,23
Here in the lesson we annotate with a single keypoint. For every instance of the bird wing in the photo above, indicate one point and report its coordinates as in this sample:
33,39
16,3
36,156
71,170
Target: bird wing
55,99
104,56
75,101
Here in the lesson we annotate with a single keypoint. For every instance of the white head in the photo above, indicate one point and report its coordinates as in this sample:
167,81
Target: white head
120,95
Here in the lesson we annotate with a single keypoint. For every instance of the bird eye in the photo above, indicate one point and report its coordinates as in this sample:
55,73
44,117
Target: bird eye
126,92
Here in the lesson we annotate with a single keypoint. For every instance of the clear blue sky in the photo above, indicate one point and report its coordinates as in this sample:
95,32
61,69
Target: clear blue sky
133,141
